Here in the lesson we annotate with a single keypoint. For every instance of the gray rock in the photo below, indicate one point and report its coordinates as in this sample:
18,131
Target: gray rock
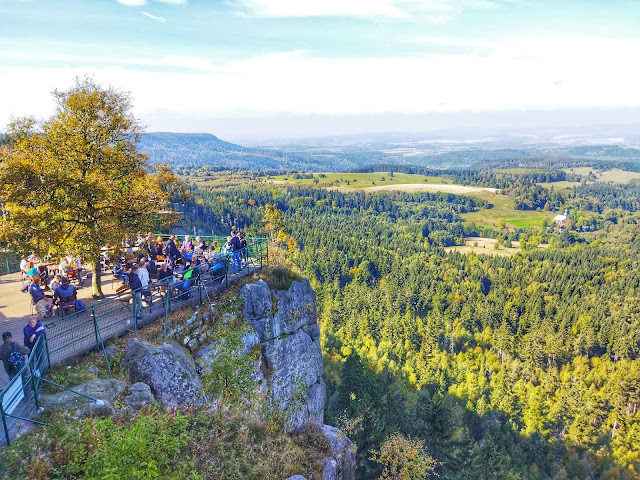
343,454
295,362
257,301
140,396
93,371
289,335
167,369
111,351
330,471
105,390
207,355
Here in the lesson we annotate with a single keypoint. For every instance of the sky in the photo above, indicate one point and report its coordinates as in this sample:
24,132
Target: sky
247,70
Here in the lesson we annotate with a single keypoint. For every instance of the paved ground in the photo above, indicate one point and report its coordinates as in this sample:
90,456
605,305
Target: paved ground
15,306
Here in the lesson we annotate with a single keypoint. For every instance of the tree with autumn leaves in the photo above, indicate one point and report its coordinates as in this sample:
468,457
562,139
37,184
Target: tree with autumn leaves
76,181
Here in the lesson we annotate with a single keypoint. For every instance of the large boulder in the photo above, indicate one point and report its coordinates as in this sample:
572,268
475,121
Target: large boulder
286,324
168,369
104,389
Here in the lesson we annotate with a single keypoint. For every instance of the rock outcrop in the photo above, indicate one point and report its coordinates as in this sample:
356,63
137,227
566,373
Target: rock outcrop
286,324
167,369
341,465
105,390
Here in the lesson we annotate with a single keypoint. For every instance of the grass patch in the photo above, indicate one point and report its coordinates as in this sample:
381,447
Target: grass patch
279,278
502,207
194,444
358,180
526,222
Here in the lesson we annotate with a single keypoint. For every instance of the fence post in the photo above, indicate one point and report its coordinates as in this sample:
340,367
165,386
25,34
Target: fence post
166,313
99,342
35,388
135,314
4,422
46,347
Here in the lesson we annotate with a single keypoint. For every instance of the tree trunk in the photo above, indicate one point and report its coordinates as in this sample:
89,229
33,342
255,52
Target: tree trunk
96,279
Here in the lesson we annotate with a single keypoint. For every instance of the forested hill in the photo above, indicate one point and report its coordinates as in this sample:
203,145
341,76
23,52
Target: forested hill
190,150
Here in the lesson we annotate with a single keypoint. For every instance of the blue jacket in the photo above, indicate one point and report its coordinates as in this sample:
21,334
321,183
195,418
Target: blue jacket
134,281
28,331
36,292
65,290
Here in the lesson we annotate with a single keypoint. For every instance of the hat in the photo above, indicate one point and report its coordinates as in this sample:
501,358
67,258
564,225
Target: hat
6,335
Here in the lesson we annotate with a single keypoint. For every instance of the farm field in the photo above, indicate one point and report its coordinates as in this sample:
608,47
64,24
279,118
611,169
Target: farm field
486,246
358,180
614,175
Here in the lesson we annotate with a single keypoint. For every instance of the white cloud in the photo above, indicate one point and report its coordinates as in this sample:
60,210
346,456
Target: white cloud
133,3
594,73
173,2
153,17
433,11
299,8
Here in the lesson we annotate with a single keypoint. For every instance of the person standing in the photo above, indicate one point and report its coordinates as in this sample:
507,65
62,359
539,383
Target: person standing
235,253
9,358
136,287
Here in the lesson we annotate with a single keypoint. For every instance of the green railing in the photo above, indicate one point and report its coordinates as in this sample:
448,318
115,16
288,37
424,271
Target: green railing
81,331
9,263
19,399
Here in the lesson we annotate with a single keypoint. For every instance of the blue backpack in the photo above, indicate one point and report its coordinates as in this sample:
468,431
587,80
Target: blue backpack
16,360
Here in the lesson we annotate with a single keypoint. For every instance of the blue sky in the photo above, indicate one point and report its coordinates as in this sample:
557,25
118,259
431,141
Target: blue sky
244,69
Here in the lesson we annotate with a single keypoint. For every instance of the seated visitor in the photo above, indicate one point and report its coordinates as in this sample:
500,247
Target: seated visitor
200,246
32,331
65,290
43,303
187,245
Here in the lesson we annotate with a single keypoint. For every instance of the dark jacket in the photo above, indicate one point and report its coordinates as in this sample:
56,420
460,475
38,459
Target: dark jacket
36,292
65,290
134,281
28,331
5,349
235,244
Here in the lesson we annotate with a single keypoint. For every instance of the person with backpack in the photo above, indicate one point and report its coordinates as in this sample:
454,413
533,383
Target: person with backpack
12,355
235,253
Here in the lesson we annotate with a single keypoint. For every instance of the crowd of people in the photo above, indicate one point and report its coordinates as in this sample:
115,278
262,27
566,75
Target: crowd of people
49,284
155,258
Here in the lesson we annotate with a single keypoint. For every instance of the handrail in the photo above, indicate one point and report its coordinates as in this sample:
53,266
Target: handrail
80,331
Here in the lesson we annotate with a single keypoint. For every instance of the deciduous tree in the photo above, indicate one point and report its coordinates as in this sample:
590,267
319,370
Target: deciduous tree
76,181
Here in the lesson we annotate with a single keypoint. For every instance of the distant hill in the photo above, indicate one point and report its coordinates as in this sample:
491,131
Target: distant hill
193,150
198,149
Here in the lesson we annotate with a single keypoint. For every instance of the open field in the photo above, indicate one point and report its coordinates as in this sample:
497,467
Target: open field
431,187
359,180
614,175
486,246
502,206
559,186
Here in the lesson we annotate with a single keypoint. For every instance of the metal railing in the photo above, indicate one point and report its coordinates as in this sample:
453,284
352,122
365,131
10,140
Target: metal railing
85,330
9,263
19,399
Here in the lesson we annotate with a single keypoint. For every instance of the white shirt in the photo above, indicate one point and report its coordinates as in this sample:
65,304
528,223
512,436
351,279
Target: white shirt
143,274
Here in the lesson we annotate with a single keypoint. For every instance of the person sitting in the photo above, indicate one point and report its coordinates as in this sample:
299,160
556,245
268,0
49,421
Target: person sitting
200,246
158,249
32,331
43,303
64,266
55,283
8,346
187,245
65,290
